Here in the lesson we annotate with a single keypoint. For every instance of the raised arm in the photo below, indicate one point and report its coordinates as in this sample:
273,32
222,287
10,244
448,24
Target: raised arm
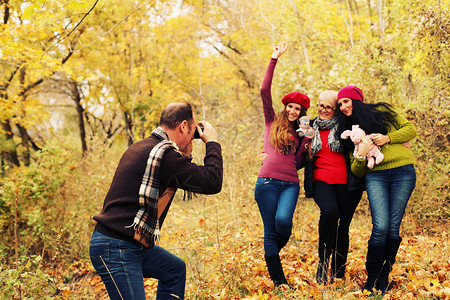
266,94
184,174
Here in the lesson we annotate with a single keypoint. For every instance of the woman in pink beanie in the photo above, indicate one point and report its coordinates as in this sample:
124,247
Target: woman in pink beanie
277,186
389,184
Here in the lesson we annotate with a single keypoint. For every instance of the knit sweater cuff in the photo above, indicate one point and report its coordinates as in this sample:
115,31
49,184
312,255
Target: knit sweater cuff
399,162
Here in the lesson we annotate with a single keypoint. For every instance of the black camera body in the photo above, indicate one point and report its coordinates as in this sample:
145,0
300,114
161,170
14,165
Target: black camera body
196,133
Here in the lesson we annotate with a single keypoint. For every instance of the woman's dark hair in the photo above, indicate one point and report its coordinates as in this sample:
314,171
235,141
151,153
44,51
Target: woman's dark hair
372,118
175,113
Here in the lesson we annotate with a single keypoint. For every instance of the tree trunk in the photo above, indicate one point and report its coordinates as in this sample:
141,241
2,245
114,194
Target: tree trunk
6,12
381,20
129,128
80,114
28,142
23,132
302,35
349,23
11,153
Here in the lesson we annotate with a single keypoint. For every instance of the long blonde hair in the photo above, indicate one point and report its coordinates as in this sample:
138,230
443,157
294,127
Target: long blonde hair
280,132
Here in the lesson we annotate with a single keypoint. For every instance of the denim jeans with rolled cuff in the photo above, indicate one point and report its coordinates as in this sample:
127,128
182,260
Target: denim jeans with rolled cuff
389,192
276,201
123,266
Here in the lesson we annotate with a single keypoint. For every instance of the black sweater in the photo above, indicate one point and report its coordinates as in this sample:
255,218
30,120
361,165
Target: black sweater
122,201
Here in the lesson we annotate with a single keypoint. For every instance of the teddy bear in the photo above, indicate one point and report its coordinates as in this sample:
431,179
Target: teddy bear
374,156
304,128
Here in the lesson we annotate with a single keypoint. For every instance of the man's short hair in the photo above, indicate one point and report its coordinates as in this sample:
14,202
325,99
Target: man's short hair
175,113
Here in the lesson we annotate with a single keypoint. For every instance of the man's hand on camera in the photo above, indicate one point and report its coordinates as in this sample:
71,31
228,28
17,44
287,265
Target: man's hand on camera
207,133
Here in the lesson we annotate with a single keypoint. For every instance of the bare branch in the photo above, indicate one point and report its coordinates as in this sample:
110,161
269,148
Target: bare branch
118,23
240,70
39,81
73,29
6,85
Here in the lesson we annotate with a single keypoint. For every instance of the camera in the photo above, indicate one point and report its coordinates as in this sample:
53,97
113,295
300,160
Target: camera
196,133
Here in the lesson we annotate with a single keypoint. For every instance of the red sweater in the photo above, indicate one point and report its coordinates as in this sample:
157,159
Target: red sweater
329,166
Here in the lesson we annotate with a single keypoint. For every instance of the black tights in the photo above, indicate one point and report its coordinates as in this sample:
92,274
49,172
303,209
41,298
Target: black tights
337,206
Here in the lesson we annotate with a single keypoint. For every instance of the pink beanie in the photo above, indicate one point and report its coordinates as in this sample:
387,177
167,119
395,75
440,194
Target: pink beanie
351,92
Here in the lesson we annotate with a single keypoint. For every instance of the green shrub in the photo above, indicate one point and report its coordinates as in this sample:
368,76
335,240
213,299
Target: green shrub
28,280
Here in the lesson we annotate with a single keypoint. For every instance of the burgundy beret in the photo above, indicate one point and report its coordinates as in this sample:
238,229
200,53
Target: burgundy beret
351,92
296,97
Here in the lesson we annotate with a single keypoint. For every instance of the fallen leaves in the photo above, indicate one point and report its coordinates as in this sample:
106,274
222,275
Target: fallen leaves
225,260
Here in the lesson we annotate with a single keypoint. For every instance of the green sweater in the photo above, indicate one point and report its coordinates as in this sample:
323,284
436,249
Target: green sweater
395,154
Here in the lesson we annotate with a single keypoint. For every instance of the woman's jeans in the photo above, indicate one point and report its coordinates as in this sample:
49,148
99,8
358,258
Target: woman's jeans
337,206
388,192
276,201
123,266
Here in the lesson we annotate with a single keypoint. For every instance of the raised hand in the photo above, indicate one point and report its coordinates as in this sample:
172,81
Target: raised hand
279,50
207,132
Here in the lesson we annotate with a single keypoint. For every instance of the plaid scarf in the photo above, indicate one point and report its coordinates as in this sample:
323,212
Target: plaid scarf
333,141
146,222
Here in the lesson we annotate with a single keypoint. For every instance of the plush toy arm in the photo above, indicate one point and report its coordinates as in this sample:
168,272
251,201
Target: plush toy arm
310,133
370,162
301,132
376,155
346,134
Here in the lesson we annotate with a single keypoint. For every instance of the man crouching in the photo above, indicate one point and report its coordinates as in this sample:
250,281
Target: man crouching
122,248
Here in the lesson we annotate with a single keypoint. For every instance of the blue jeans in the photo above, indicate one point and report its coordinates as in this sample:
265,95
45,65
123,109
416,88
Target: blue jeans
388,192
276,201
123,266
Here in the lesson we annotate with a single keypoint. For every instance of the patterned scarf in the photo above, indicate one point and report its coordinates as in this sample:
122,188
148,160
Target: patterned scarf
146,222
333,142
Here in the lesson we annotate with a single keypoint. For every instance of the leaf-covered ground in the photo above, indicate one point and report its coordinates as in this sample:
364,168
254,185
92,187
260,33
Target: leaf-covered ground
222,245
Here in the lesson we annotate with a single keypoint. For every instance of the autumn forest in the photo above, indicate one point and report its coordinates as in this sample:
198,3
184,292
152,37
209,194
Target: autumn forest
81,80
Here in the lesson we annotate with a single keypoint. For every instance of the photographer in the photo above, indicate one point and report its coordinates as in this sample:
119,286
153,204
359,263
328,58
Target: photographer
122,247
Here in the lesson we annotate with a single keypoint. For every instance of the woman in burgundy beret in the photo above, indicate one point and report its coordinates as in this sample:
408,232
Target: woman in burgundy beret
277,186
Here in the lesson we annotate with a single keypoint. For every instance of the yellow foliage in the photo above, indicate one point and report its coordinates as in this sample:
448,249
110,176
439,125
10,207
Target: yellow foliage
133,57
